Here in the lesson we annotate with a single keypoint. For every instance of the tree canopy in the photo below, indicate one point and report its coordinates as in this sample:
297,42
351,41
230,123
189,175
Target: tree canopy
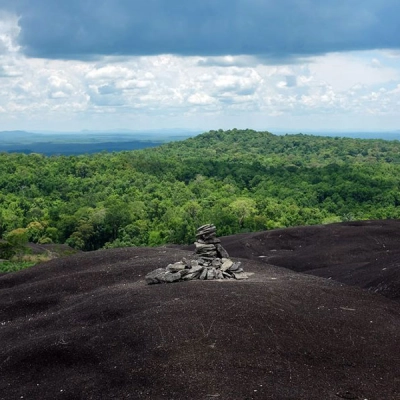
240,180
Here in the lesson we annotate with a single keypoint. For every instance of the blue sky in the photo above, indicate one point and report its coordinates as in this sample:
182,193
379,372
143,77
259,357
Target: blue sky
205,64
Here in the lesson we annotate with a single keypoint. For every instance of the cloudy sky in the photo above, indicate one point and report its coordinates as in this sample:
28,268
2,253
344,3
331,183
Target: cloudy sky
293,65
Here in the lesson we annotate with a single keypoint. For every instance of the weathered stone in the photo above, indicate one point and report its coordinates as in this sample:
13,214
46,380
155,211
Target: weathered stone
240,275
172,277
156,276
207,260
203,246
222,253
208,234
202,252
227,275
203,275
193,263
219,274
208,254
205,227
203,262
206,230
178,266
211,273
209,257
196,268
191,276
235,266
226,265
209,238
216,262
183,272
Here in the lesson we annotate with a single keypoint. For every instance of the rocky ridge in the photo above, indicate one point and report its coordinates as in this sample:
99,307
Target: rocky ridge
210,261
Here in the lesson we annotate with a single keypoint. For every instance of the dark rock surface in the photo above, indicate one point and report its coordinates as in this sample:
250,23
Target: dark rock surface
359,253
89,327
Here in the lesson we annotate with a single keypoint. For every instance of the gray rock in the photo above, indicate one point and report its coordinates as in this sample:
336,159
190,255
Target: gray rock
183,272
172,277
211,273
219,274
222,253
203,262
207,232
206,228
196,268
207,260
216,262
191,276
178,266
226,265
203,274
235,266
204,246
156,276
202,252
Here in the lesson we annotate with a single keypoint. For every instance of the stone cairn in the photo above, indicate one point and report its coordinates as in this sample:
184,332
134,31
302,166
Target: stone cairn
210,261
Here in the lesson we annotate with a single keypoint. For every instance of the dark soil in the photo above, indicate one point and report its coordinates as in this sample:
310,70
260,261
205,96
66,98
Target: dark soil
88,327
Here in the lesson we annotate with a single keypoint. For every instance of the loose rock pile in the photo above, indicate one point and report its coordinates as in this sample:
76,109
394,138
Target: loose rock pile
210,261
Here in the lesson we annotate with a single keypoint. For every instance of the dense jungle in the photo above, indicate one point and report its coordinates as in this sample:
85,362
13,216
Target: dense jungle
240,180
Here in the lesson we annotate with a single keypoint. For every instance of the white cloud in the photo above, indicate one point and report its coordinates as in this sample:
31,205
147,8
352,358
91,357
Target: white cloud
345,70
345,89
9,31
201,99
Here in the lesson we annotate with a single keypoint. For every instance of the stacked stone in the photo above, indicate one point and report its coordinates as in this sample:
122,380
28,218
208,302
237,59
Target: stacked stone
210,261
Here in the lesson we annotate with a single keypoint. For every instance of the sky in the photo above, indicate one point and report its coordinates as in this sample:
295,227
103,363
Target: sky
295,65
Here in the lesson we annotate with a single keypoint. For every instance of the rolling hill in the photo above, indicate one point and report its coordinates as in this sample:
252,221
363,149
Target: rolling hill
88,327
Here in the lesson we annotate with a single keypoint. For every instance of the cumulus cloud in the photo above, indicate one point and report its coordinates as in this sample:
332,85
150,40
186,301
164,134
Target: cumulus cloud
166,90
280,30
172,88
9,32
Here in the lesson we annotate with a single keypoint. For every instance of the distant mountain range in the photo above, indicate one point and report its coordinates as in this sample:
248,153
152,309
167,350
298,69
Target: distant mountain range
68,143
91,136
87,141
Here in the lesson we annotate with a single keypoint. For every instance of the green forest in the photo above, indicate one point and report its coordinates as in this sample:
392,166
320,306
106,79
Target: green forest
239,180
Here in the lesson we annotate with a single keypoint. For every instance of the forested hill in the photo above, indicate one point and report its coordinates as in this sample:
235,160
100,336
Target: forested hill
248,145
240,180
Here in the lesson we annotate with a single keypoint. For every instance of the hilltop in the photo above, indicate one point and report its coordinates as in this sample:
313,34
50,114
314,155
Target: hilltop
88,326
